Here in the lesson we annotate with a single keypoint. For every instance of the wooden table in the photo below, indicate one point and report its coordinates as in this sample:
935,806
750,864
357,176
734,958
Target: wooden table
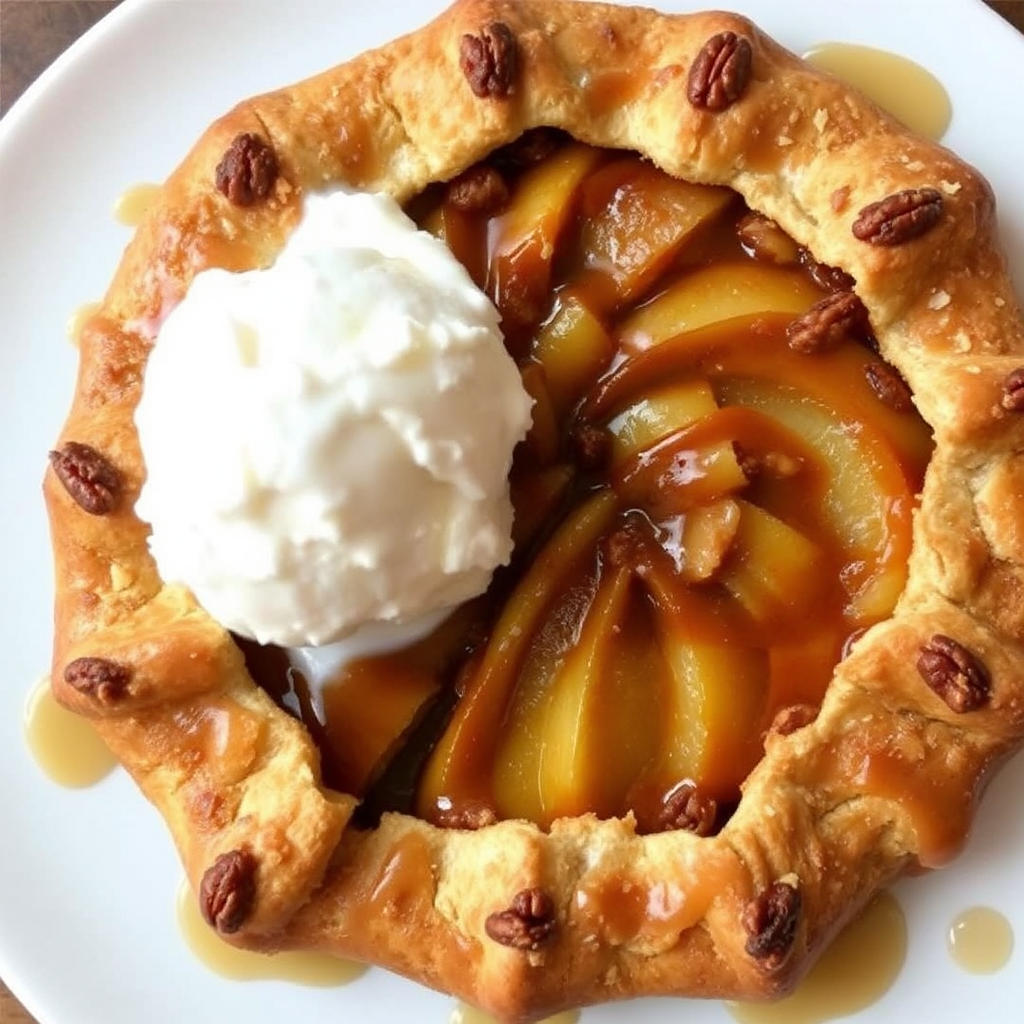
32,34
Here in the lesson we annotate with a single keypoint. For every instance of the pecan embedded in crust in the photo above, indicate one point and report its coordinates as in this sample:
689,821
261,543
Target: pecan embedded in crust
489,61
770,921
228,890
832,279
248,170
954,673
527,924
688,809
838,317
721,72
530,148
88,476
106,681
766,241
480,189
889,386
900,217
1013,391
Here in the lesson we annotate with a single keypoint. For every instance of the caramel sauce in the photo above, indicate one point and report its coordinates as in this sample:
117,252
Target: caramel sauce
856,971
404,878
911,93
77,321
351,761
226,734
618,903
609,91
940,810
131,205
319,970
64,745
981,940
620,909
466,1014
653,341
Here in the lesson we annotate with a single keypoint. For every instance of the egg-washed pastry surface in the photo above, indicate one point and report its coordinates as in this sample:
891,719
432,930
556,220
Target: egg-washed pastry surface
731,286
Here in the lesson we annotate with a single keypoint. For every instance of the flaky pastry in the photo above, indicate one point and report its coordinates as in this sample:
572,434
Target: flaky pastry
519,920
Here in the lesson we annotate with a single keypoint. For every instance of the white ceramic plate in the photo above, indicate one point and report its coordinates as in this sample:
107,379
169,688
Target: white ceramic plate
88,878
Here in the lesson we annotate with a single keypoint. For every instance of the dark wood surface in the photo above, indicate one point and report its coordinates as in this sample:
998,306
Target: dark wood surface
32,34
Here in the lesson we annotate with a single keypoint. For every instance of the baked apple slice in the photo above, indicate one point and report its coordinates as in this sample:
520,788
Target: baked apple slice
574,348
635,221
865,494
459,767
523,239
711,294
680,472
552,760
773,570
658,413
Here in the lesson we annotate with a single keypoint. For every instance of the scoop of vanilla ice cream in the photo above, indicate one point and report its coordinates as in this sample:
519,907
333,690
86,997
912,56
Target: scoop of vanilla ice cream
327,441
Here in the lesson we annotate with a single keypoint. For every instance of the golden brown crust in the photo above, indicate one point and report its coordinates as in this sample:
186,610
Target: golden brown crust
836,808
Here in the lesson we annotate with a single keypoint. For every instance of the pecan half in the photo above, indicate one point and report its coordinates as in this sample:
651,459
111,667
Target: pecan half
770,921
490,60
480,189
832,279
900,217
838,317
766,241
720,74
1013,391
688,809
228,890
530,148
889,386
248,170
954,673
527,924
89,477
106,681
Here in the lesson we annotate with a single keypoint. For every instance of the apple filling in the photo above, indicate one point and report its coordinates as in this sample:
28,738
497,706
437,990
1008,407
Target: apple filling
714,499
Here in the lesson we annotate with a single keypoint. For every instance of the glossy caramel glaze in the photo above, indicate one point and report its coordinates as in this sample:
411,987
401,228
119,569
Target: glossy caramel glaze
684,567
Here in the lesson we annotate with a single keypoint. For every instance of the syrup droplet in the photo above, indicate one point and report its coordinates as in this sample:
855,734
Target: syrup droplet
77,320
319,970
64,745
855,971
131,205
466,1014
911,93
981,940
